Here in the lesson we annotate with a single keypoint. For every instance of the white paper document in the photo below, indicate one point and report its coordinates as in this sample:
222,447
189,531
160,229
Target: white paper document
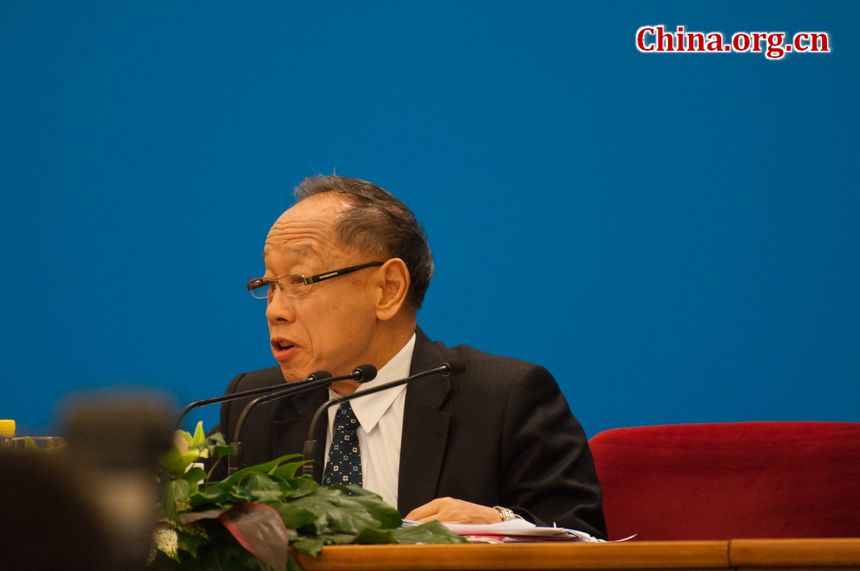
515,530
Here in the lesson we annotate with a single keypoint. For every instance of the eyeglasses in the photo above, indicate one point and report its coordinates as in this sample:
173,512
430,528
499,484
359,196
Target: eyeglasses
298,286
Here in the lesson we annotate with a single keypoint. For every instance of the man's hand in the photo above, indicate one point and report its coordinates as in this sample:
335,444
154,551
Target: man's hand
450,510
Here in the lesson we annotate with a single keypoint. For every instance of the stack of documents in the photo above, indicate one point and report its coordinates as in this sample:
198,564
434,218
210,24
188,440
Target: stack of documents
514,530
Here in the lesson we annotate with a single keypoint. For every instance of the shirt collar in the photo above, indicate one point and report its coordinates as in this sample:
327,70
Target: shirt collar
368,410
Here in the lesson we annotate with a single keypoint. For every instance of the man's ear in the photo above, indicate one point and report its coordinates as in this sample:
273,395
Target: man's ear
392,287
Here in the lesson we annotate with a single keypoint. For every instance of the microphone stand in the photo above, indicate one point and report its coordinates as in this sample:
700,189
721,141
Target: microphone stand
230,397
362,373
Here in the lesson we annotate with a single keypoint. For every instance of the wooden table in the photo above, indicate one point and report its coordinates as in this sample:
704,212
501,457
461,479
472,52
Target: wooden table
737,554
795,553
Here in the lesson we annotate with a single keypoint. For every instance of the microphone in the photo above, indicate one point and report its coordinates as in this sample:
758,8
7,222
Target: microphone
243,394
311,450
362,374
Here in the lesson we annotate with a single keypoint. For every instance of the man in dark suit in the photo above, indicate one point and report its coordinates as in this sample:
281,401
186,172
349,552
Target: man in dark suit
494,442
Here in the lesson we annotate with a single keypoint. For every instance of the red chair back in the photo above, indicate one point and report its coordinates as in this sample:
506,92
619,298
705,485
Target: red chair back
731,480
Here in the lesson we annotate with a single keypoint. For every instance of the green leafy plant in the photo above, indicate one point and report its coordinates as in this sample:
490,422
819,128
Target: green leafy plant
251,519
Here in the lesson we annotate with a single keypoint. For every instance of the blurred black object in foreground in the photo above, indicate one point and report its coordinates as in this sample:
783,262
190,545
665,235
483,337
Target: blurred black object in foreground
91,505
48,520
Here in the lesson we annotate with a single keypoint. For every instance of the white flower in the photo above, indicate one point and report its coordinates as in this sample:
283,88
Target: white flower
166,540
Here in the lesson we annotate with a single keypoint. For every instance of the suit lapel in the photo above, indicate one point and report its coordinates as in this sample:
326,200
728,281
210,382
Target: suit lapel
425,429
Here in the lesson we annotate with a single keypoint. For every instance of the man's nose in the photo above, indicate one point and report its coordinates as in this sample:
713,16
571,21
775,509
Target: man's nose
280,307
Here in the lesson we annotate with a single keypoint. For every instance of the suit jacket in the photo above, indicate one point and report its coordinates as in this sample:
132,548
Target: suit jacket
499,433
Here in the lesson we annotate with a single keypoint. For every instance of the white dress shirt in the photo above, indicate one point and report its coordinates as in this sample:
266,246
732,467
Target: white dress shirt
381,418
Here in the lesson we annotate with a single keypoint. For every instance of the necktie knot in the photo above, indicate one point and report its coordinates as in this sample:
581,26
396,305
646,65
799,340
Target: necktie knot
345,418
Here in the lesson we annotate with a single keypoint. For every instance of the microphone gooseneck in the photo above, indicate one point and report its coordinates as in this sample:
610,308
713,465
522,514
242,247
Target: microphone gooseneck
317,379
225,398
311,450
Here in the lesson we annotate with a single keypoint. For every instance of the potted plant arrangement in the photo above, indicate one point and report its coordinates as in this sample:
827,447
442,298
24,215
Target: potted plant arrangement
259,517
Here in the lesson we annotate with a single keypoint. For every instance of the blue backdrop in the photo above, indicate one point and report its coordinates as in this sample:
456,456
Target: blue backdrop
676,237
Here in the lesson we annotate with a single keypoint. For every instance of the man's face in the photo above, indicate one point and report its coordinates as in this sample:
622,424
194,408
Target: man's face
332,326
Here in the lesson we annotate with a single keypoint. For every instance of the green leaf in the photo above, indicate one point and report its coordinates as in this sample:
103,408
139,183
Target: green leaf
295,517
429,532
298,487
308,545
189,542
338,538
175,497
194,475
177,462
375,536
263,468
199,436
387,516
221,450
262,488
287,471
172,461
365,501
219,493
338,514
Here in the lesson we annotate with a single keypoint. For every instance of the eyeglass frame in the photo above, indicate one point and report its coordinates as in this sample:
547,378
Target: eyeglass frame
257,283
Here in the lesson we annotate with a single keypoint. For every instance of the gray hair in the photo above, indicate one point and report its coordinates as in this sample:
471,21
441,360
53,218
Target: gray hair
377,223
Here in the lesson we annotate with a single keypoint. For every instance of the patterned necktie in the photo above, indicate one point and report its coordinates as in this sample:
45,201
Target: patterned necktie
344,456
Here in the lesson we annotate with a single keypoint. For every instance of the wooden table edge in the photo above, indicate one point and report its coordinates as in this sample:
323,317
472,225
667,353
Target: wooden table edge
545,555
820,552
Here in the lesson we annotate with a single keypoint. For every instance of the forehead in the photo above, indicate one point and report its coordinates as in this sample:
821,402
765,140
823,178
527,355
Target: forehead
307,230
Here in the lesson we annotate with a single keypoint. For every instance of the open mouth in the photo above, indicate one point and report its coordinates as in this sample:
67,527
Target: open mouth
283,349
